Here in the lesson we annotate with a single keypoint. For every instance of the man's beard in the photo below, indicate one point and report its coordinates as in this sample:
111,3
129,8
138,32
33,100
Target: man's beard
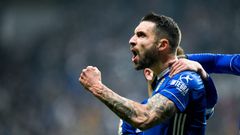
149,58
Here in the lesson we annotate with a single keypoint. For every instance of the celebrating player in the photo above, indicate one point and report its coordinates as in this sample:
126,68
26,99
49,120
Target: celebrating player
177,104
211,92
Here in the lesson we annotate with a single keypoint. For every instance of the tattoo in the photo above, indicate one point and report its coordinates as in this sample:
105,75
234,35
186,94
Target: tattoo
161,108
158,108
123,107
119,105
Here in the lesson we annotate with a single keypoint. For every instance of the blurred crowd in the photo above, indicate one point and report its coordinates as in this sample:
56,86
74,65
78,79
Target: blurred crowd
44,46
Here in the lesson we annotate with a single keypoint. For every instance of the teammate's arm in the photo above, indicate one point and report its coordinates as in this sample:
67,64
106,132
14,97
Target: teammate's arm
218,63
158,108
212,63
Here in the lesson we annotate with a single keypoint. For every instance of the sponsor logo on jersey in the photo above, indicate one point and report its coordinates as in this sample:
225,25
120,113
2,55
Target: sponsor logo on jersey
185,77
180,84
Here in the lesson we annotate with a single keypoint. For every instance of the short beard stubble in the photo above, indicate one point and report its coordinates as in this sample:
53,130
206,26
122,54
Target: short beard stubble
150,57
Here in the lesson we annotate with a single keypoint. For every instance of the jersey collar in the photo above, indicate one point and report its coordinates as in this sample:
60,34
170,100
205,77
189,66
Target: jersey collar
163,73
159,77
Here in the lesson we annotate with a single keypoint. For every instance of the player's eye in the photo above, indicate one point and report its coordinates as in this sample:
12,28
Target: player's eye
141,34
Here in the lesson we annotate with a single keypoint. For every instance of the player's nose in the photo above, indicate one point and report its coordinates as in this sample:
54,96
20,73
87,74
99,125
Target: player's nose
132,41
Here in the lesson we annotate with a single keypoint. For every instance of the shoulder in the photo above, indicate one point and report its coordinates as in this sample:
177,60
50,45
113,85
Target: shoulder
188,78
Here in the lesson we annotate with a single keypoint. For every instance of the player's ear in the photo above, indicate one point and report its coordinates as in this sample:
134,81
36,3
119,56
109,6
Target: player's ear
163,44
148,74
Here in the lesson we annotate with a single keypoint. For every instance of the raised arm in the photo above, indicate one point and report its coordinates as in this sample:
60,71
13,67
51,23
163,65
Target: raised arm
158,108
218,63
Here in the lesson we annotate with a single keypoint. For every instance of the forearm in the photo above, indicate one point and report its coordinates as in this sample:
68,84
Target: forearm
128,110
218,63
158,108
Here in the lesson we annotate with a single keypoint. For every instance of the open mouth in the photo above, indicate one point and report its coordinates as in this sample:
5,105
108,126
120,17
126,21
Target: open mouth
135,54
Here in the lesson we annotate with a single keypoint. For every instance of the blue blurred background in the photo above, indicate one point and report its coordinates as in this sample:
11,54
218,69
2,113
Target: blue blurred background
44,45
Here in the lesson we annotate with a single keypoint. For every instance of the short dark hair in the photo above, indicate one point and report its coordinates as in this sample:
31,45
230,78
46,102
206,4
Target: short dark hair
166,27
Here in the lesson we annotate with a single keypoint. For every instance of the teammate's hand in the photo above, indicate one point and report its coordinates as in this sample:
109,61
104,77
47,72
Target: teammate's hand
90,78
185,64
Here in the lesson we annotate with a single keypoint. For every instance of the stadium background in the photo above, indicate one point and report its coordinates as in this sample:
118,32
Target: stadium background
44,46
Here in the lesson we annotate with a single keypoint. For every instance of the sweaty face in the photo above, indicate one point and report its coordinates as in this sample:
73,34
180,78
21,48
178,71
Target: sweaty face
143,45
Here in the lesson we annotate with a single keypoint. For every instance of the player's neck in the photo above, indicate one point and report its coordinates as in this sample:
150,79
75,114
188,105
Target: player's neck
163,64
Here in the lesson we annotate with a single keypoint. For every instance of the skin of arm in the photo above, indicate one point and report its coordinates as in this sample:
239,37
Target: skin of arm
185,64
157,110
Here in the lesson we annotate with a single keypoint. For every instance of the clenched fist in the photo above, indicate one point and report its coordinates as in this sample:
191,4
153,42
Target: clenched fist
90,78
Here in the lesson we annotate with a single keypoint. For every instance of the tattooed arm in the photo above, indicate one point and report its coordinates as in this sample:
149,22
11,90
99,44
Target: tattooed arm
158,108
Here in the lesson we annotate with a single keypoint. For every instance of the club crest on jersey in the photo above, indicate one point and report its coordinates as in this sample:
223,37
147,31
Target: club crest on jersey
180,84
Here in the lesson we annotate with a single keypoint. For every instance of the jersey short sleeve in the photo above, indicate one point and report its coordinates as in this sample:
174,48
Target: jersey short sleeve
127,129
180,87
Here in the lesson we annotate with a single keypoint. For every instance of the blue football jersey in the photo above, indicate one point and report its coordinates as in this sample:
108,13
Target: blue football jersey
187,91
